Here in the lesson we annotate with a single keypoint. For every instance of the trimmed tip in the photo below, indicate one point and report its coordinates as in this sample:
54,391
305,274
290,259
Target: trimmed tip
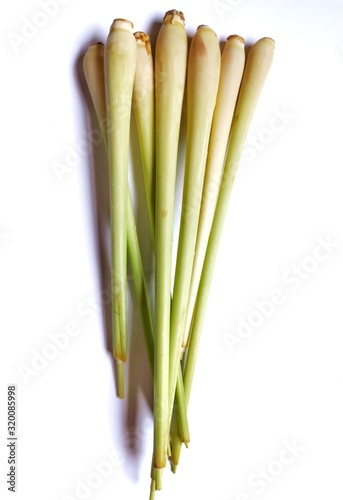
172,16
173,468
94,50
120,379
236,38
205,27
143,39
152,490
152,495
141,36
94,44
267,39
120,23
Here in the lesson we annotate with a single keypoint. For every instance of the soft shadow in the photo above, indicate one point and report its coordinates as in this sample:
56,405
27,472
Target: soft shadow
139,373
138,379
97,170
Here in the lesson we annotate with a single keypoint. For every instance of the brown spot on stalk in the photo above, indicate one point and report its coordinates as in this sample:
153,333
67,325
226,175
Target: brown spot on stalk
164,213
144,38
199,46
171,15
121,357
120,20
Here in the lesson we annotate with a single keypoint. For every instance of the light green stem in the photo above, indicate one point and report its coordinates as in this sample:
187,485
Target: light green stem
170,75
120,64
256,70
202,85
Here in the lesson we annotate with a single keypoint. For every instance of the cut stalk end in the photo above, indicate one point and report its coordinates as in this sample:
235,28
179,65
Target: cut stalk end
172,16
143,39
173,468
158,473
236,37
120,379
94,44
267,39
122,24
152,490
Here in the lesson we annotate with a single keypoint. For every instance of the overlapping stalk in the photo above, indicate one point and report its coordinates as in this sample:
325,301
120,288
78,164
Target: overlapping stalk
170,76
202,86
232,66
94,72
93,65
120,65
256,70
144,109
122,75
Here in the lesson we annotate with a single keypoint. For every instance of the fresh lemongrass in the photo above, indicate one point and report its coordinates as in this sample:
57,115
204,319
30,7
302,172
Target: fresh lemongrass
144,109
120,65
258,63
232,66
94,74
170,76
93,68
203,73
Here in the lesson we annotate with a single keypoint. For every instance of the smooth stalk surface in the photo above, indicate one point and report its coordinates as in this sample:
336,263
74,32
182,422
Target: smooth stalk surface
232,66
120,65
256,70
94,73
93,65
202,86
144,109
170,75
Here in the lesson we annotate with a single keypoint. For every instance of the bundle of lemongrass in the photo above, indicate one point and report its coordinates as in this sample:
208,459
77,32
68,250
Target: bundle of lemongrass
222,93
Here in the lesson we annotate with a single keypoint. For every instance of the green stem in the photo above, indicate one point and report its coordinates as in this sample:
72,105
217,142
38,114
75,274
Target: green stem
170,74
232,66
256,70
202,85
94,73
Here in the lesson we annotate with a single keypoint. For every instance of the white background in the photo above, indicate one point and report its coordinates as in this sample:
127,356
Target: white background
284,381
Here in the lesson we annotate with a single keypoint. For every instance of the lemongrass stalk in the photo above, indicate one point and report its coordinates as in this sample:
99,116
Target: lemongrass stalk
120,65
256,70
144,109
202,85
170,76
93,64
232,66
93,68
